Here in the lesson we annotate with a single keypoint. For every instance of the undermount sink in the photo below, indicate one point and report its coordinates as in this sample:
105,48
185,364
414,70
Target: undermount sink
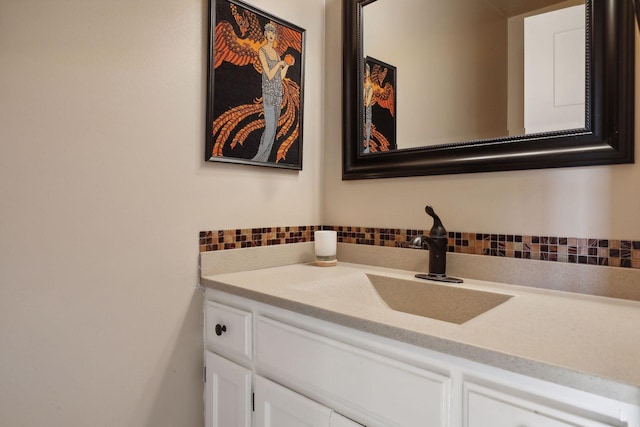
442,302
449,303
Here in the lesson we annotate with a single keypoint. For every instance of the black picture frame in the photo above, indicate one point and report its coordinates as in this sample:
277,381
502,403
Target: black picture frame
607,139
380,129
241,127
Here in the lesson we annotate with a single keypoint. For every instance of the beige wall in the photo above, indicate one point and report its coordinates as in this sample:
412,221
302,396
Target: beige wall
104,190
598,202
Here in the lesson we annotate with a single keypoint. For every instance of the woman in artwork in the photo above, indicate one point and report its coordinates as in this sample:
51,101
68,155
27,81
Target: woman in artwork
368,107
274,71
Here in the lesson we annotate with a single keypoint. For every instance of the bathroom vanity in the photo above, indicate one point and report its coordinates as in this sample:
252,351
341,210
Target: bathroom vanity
300,345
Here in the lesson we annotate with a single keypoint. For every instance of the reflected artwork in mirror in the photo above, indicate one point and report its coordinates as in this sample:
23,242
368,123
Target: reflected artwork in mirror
379,99
488,85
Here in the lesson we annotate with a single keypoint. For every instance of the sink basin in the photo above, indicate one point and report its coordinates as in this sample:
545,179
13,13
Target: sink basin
449,303
442,302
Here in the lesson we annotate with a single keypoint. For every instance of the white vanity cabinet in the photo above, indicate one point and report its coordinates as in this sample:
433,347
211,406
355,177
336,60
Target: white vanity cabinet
337,420
228,390
304,371
235,396
229,331
486,407
227,393
276,405
376,389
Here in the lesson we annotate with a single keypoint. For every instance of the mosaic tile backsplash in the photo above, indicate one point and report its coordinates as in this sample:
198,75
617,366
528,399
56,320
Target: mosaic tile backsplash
614,253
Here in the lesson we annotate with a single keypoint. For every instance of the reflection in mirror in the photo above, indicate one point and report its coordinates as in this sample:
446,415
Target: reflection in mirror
449,136
379,100
472,69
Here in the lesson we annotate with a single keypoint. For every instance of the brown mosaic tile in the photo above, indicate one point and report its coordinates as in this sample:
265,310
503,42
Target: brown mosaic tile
253,237
605,252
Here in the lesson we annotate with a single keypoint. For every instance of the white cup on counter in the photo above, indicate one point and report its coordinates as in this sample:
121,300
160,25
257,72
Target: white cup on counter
326,243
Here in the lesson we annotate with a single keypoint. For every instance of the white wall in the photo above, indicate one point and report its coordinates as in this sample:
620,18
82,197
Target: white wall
104,190
596,202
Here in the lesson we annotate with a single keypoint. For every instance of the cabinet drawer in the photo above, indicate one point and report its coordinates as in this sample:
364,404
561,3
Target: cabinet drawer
228,331
383,391
488,407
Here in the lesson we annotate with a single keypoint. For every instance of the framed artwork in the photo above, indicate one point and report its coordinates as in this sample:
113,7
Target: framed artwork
379,97
255,87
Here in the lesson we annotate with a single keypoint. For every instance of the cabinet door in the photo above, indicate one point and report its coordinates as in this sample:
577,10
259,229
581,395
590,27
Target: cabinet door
490,408
276,406
338,420
228,393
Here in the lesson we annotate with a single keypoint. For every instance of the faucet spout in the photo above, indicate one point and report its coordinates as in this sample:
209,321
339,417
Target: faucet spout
437,252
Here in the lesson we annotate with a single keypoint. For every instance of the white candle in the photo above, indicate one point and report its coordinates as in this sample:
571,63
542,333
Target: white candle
325,245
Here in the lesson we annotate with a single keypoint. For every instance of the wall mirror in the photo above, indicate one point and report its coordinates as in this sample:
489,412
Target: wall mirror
438,87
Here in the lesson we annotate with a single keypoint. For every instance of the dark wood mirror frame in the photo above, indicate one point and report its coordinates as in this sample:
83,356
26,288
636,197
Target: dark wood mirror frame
608,137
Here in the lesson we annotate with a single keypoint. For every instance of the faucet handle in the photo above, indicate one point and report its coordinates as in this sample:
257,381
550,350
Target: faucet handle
438,229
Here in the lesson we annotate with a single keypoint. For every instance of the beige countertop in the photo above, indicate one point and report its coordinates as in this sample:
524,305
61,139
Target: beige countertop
586,342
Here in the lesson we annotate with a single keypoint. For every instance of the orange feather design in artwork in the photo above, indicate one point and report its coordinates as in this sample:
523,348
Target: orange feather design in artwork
383,92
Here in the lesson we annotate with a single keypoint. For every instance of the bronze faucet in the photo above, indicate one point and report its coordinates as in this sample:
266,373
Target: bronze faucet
437,241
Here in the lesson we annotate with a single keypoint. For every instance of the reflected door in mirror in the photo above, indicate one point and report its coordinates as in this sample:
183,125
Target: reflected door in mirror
554,76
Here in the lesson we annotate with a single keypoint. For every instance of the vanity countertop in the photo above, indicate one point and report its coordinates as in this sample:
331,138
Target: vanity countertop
586,342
